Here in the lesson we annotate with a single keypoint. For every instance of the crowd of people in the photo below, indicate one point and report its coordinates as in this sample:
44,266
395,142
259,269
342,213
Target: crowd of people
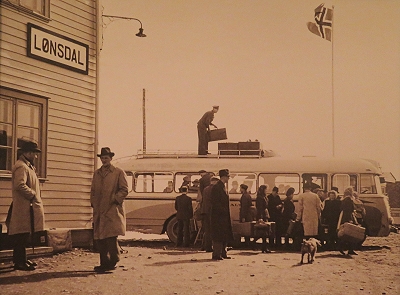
281,226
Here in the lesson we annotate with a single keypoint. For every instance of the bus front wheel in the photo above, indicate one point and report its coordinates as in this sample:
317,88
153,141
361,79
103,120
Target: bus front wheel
172,229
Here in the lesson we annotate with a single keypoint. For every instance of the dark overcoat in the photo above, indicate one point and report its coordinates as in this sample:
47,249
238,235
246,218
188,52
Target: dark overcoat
183,207
221,227
245,207
348,208
261,205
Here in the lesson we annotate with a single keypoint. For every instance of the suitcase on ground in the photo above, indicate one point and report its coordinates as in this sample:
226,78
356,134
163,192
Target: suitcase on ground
264,229
244,229
217,134
351,233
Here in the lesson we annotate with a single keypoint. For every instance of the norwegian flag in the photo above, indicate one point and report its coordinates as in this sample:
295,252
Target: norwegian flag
323,22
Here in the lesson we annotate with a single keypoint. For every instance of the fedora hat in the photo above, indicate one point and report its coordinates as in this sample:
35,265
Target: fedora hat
30,146
223,172
105,151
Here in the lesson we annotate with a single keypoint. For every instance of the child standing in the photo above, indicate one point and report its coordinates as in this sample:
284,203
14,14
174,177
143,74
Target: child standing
184,212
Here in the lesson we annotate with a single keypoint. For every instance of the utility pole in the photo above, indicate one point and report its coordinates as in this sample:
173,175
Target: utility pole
144,121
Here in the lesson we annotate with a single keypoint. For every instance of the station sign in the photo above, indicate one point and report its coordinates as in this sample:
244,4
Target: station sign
57,49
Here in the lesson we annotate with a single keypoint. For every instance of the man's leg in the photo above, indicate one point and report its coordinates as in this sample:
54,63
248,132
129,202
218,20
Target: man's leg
186,232
224,252
20,242
113,250
104,259
179,241
203,140
207,242
217,250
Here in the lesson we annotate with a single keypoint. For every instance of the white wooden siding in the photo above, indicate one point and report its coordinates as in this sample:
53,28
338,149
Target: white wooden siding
71,108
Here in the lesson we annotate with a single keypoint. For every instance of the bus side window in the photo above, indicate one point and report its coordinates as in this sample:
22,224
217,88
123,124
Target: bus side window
236,179
315,180
152,182
189,179
282,181
129,177
367,184
341,181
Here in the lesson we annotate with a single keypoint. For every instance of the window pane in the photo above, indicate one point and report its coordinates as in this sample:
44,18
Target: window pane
5,111
237,179
28,115
315,180
152,182
282,181
368,185
28,134
189,179
5,158
35,5
5,135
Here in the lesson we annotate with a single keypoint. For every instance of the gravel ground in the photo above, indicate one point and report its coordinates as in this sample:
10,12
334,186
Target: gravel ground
156,267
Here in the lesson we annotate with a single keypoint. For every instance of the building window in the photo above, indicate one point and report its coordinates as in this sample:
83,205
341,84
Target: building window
35,6
22,117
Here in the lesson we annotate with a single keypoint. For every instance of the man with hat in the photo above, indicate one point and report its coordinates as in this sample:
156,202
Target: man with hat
26,200
221,227
203,125
108,192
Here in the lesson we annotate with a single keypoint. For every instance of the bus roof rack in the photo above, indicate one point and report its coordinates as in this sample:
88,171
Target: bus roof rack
191,154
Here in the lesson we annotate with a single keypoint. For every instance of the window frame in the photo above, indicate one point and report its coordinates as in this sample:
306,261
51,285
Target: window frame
31,99
298,187
20,8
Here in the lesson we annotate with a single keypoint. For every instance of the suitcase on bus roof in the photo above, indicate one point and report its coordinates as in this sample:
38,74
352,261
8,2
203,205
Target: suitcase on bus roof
217,134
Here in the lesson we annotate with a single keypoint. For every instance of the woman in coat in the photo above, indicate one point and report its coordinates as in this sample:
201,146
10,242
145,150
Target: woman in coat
262,215
347,215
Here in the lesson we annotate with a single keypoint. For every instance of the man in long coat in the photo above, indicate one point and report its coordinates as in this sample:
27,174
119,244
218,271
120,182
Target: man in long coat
221,227
309,211
206,215
203,125
25,193
108,192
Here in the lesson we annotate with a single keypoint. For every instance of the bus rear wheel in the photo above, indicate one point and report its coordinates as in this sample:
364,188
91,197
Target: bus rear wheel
172,230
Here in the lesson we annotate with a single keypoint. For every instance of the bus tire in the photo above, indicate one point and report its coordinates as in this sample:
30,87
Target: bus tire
172,229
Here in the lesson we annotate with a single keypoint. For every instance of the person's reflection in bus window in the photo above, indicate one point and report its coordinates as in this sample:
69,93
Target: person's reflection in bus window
186,182
169,188
234,189
307,179
195,186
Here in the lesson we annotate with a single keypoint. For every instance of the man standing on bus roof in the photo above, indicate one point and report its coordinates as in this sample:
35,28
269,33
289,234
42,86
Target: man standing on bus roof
221,227
203,125
108,192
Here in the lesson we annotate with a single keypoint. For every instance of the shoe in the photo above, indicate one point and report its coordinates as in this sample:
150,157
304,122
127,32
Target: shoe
342,252
31,262
226,257
352,252
25,266
266,251
103,268
217,258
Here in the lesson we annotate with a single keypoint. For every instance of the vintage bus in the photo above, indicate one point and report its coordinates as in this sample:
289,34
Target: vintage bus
155,179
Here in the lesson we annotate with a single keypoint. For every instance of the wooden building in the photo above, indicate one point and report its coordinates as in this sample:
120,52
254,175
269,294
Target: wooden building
48,92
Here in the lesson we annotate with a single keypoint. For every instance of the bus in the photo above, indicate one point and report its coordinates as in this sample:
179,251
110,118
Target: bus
155,178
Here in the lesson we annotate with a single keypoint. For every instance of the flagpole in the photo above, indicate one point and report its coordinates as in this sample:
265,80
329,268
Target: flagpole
333,96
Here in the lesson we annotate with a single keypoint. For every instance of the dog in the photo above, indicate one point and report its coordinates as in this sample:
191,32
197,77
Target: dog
310,247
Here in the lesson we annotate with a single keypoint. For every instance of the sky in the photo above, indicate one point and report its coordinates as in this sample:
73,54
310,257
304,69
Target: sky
275,81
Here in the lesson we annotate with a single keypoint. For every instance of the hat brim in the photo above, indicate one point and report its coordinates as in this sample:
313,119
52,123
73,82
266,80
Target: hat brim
30,150
108,154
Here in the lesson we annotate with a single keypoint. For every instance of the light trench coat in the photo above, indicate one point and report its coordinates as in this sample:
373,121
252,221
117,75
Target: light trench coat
107,197
25,188
309,212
